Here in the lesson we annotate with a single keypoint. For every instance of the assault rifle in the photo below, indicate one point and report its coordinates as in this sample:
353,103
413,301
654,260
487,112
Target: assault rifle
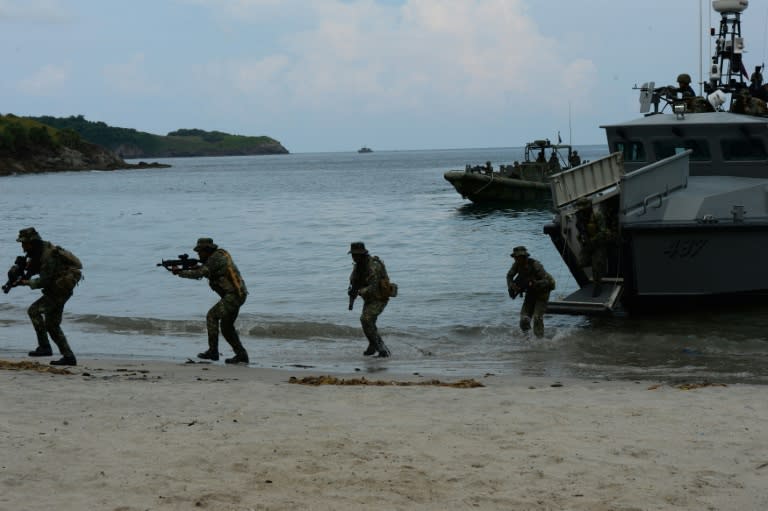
521,286
15,273
183,261
355,284
352,293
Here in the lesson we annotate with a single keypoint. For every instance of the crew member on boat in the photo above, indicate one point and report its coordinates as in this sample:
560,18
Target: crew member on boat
684,85
595,238
574,160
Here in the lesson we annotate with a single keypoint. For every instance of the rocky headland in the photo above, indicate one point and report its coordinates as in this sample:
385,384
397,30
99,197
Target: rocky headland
50,144
85,157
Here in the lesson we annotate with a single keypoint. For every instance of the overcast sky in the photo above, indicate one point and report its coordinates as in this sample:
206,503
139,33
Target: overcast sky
333,75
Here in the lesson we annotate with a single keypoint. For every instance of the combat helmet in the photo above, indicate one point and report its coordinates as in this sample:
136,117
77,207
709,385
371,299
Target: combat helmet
357,247
520,251
205,244
684,78
28,234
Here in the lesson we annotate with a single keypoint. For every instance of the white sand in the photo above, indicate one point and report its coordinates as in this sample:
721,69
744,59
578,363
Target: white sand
162,436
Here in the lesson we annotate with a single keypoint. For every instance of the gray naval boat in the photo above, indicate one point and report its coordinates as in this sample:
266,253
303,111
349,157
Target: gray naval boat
684,196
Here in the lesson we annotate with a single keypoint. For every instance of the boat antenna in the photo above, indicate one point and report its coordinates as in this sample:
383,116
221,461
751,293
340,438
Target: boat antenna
765,35
727,68
701,48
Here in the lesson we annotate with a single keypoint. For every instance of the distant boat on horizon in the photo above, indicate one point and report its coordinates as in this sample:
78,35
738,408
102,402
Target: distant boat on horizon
365,149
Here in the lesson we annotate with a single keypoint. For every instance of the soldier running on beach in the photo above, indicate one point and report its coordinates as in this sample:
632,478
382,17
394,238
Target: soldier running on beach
370,281
59,273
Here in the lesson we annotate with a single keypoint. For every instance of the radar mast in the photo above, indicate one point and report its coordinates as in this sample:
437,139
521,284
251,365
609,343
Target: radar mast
727,71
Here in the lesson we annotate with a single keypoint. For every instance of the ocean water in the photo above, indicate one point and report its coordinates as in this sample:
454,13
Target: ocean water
288,220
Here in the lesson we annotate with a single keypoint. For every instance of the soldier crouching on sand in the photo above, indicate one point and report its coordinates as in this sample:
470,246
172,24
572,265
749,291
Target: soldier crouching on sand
370,281
59,273
528,276
225,279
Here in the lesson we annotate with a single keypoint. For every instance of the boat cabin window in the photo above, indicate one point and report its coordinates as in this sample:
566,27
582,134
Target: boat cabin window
743,149
667,148
631,150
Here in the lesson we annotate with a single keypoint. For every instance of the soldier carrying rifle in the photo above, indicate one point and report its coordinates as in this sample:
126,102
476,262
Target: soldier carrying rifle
370,281
224,278
528,276
58,273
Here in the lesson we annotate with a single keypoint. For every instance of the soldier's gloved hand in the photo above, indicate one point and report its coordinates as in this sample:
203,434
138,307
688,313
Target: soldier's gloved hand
175,270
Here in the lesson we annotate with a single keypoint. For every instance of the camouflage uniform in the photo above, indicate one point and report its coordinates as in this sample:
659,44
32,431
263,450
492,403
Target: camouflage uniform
225,279
373,287
595,249
684,85
541,284
554,162
574,159
59,273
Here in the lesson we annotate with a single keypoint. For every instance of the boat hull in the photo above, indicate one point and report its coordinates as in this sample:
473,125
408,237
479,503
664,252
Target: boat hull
673,241
486,188
696,260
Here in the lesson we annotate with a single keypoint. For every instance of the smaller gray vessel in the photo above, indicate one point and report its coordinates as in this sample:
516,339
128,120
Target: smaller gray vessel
525,181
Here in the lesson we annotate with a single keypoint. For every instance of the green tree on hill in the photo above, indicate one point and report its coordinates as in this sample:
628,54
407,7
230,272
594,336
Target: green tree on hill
131,143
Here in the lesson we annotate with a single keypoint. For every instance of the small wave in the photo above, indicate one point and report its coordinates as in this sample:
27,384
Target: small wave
270,329
145,326
301,330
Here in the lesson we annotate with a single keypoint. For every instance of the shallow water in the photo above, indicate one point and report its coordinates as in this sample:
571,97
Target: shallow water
288,220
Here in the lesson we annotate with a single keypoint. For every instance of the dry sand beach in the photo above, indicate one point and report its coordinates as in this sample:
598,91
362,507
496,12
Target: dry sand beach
162,436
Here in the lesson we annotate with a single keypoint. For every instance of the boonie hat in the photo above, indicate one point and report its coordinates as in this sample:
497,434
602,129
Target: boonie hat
28,234
205,244
357,247
519,251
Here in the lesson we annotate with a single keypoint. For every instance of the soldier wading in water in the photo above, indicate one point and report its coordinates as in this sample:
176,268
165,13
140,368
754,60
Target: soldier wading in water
370,281
225,279
528,276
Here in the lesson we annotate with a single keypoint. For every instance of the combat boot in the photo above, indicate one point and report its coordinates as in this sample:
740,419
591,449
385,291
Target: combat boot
66,360
208,355
41,352
382,349
237,359
371,349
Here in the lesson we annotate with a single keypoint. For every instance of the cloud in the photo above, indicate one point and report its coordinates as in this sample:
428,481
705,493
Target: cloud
40,11
419,55
249,11
130,77
47,80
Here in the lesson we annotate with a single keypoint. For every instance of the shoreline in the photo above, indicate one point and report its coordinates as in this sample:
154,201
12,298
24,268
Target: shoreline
374,368
134,435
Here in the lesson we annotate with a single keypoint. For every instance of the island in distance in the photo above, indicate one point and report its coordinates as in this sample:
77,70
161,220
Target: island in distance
49,144
133,144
